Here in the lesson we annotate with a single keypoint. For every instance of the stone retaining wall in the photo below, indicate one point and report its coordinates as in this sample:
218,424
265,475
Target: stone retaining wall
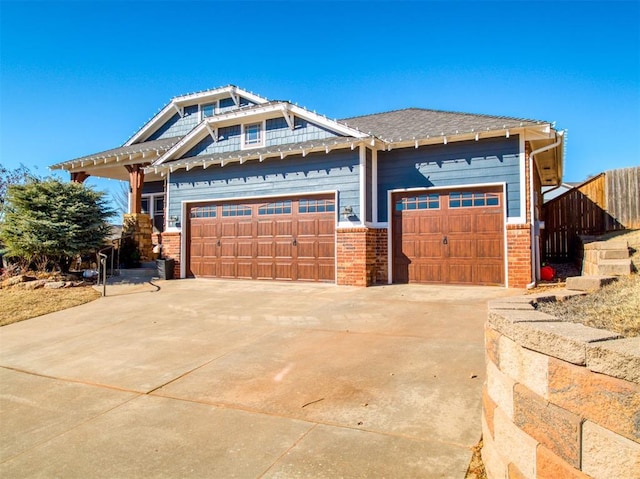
561,400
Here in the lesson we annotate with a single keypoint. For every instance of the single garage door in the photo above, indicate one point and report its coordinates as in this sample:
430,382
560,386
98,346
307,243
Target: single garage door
283,239
451,237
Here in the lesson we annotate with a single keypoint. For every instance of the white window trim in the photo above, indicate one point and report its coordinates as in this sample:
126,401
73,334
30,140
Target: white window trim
263,134
152,203
216,109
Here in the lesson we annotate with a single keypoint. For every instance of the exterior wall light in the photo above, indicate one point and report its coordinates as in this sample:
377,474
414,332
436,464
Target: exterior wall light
347,212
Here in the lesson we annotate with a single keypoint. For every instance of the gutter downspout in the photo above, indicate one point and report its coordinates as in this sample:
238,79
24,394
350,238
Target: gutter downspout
535,249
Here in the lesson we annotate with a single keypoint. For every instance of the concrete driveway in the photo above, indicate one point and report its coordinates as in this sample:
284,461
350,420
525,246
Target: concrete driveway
228,379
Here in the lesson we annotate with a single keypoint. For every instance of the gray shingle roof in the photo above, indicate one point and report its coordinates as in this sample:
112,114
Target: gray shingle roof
418,123
160,145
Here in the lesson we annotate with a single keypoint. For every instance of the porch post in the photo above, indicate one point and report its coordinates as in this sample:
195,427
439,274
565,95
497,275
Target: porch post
136,180
79,176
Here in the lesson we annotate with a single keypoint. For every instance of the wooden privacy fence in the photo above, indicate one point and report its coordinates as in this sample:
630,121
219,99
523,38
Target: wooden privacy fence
607,202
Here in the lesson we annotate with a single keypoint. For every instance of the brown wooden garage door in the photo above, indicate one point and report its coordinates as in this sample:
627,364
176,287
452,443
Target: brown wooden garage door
454,237
283,239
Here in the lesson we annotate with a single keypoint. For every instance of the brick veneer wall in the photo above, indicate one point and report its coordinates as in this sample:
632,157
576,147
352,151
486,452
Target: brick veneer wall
351,257
171,249
377,241
519,255
561,400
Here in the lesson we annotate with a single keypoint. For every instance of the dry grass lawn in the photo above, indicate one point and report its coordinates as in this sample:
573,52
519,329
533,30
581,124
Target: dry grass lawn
615,307
19,304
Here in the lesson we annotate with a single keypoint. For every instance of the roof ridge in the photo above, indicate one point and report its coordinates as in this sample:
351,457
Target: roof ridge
433,110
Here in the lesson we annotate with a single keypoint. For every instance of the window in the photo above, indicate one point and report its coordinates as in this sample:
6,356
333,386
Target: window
236,210
252,135
208,110
421,202
153,205
203,212
473,199
316,206
277,208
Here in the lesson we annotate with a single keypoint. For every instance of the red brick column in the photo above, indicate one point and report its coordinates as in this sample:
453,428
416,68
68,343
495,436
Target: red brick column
171,249
351,257
519,255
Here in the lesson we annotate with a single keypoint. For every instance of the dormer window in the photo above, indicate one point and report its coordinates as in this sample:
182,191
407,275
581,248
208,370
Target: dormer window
208,110
253,135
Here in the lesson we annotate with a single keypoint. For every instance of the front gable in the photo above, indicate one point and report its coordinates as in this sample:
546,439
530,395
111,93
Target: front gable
183,113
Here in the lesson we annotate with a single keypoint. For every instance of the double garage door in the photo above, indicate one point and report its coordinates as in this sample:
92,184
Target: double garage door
450,237
279,239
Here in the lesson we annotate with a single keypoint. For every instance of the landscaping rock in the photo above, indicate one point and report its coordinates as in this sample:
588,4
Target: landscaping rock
37,284
588,283
55,285
21,278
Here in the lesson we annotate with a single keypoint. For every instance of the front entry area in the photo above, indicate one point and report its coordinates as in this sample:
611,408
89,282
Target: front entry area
449,237
289,239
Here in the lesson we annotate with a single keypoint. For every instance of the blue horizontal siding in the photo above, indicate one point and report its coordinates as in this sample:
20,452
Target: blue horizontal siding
277,133
493,160
316,172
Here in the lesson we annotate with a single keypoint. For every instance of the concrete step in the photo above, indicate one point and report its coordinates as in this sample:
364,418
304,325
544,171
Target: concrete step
614,266
588,283
134,276
614,254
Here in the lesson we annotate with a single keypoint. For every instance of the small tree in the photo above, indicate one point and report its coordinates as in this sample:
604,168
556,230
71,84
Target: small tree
48,221
10,177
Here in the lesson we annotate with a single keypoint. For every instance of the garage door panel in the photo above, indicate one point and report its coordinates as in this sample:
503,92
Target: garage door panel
461,248
326,250
244,269
227,249
265,249
430,249
244,229
284,271
307,271
429,272
460,224
429,225
228,269
265,228
489,223
308,227
265,270
489,248
489,274
284,227
284,249
460,273
326,227
228,229
306,249
244,249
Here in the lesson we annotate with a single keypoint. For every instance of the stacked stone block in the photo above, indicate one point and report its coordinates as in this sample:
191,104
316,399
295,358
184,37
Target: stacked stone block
605,258
561,400
139,226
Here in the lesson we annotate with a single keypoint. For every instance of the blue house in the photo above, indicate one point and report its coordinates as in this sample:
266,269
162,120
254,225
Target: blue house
234,185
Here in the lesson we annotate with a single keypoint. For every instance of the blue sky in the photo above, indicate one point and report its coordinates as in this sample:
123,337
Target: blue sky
81,77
